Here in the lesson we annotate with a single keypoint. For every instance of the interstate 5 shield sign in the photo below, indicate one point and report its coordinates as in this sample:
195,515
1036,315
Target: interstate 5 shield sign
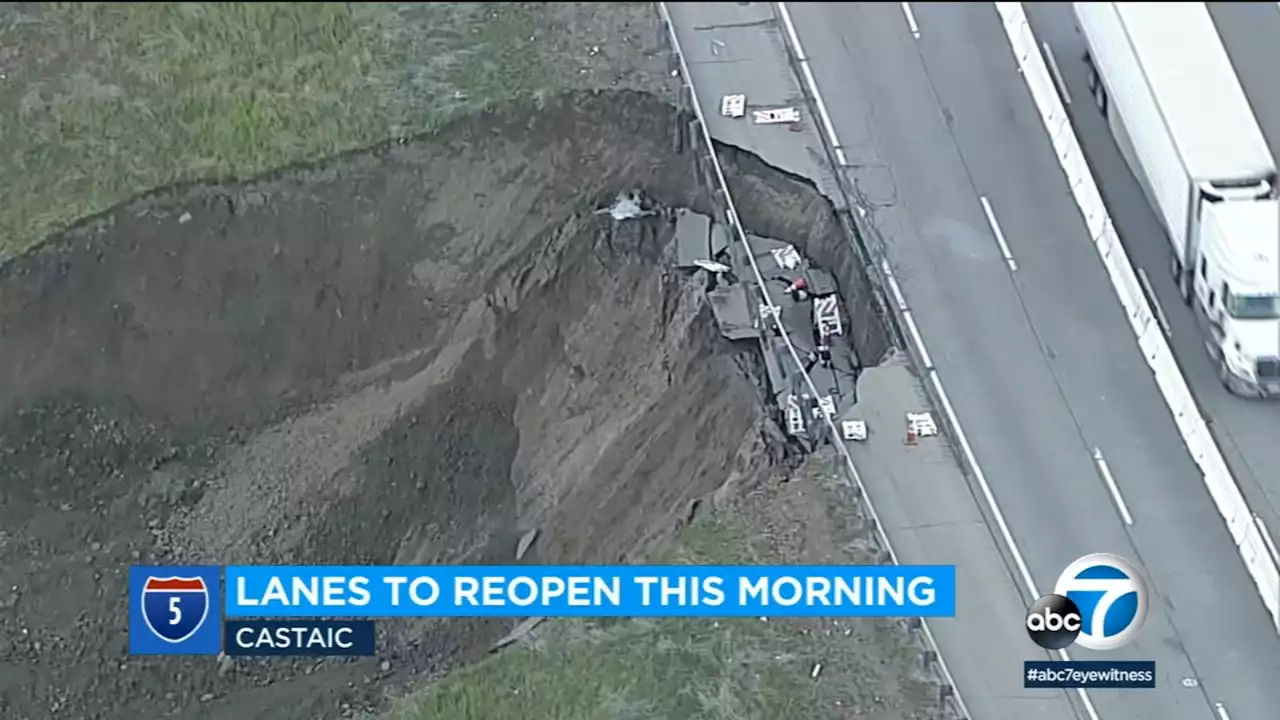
175,608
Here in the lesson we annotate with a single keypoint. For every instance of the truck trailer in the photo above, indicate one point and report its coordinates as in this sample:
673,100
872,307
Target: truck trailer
1162,79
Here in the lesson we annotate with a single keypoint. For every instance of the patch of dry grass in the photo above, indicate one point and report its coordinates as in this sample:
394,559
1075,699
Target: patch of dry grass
102,101
706,669
685,668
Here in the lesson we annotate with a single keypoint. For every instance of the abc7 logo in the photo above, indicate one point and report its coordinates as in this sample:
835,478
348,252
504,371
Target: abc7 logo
1053,622
1099,603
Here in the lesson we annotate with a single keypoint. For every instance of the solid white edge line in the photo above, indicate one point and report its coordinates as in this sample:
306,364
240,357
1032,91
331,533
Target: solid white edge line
1105,471
1057,75
803,59
731,214
911,19
962,440
995,229
1085,701
908,317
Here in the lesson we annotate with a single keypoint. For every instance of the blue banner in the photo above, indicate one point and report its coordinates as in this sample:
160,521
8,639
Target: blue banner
590,591
174,610
299,637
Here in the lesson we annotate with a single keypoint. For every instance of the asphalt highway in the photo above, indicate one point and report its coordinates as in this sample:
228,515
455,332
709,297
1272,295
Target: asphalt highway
733,48
947,149
1246,430
1251,34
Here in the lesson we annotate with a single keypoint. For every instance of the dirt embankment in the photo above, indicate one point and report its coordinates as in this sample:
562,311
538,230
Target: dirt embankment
416,354
777,204
411,355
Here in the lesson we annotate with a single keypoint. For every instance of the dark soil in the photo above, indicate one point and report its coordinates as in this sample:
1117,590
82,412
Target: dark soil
410,355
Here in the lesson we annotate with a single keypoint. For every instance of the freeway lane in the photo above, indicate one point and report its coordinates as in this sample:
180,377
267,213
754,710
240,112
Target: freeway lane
733,48
1251,34
1246,430
1038,359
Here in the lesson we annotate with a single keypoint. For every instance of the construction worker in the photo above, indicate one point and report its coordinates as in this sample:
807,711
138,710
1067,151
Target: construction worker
722,257
824,353
798,289
810,361
819,435
820,354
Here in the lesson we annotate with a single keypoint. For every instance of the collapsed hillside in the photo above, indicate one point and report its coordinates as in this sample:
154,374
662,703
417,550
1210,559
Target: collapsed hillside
415,355
423,353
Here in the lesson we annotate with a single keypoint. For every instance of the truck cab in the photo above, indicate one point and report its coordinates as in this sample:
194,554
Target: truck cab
1236,287
1162,80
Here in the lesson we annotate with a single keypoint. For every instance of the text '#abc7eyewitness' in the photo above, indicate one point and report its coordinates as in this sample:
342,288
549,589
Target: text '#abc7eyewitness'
1099,603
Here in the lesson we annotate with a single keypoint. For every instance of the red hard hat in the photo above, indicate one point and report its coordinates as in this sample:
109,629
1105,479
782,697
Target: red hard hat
801,282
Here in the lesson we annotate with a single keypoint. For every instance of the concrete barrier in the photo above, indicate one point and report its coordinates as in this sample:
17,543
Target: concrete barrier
1248,533
948,694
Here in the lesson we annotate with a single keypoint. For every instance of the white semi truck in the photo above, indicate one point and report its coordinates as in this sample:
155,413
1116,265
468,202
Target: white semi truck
1162,78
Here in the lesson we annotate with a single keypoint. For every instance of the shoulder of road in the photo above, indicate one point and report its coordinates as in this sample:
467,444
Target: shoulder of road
733,49
948,157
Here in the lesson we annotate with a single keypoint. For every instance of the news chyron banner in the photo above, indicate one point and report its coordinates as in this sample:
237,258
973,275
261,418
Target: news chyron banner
177,610
330,610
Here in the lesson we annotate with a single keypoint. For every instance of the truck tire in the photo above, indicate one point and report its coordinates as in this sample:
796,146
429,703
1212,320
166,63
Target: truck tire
1096,88
1180,279
1224,376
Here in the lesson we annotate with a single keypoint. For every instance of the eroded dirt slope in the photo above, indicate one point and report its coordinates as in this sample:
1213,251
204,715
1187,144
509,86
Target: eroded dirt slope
411,355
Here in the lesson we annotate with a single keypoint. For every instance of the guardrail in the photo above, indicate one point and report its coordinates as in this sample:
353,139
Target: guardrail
1247,530
951,704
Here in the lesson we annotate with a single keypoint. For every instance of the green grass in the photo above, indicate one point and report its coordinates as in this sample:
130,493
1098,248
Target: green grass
701,669
102,101
638,669
644,669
